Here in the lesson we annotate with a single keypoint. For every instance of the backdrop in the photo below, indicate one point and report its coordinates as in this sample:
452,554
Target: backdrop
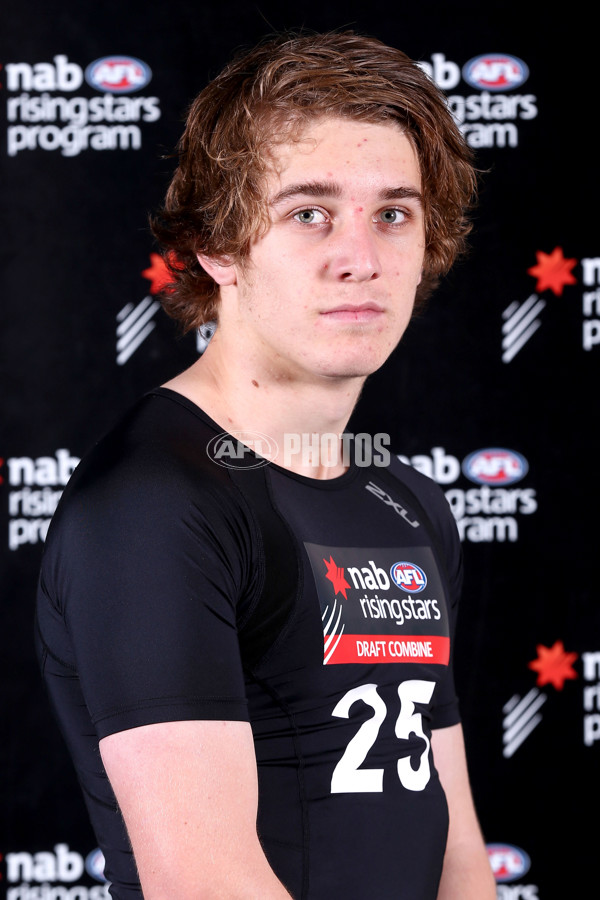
491,393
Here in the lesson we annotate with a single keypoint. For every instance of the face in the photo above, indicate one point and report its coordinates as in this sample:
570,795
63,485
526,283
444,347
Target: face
328,291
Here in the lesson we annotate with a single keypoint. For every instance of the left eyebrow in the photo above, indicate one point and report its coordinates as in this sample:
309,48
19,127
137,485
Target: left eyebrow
332,189
401,193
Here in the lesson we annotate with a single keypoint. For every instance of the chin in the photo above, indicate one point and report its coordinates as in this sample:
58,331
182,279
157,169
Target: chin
354,368
360,358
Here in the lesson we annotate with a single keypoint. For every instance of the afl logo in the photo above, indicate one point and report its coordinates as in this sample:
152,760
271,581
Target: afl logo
495,72
409,577
242,449
118,74
94,865
495,466
508,862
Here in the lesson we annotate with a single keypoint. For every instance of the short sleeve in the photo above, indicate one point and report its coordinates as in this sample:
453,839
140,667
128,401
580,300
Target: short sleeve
146,566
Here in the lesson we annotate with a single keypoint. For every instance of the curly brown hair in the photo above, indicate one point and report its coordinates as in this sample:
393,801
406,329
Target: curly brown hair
216,202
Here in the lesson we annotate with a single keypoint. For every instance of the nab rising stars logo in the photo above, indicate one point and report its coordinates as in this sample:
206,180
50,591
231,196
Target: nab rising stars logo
366,620
409,577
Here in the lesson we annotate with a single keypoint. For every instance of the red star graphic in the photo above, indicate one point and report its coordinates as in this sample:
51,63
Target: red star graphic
158,274
553,665
553,271
335,574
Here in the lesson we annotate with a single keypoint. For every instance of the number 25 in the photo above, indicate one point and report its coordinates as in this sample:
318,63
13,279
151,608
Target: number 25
347,776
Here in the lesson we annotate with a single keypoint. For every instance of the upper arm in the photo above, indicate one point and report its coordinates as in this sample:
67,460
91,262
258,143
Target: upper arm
467,874
188,794
151,573
451,763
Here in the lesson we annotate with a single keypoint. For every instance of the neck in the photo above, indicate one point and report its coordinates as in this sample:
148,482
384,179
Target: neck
243,396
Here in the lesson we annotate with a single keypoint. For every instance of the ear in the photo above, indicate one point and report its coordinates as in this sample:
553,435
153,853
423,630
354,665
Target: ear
221,268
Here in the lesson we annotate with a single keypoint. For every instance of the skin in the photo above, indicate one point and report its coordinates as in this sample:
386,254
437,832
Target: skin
323,300
327,292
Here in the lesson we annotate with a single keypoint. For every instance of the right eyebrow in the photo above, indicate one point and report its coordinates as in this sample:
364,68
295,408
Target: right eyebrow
308,189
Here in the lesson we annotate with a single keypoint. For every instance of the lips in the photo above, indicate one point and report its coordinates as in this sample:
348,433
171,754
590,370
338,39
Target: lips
354,312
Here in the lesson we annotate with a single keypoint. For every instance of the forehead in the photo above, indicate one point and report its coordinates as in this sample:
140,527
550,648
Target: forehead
346,151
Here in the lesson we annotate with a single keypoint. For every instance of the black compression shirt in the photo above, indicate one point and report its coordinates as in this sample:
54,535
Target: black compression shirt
174,587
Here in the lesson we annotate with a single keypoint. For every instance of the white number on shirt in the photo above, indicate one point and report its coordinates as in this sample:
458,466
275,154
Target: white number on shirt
347,776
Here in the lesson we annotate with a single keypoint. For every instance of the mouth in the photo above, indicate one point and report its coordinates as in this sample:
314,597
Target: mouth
354,312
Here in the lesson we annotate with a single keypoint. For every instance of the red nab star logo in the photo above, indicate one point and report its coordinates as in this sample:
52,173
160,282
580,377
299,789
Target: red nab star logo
336,575
158,274
553,271
553,665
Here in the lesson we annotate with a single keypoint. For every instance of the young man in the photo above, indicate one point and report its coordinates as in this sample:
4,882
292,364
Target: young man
260,649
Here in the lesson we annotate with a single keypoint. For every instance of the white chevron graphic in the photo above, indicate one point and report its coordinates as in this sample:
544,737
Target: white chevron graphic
520,323
331,637
135,324
521,716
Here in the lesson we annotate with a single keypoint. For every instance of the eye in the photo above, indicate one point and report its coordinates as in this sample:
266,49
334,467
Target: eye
392,216
310,216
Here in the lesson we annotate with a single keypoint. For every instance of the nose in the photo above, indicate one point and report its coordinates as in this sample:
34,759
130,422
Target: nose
354,252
